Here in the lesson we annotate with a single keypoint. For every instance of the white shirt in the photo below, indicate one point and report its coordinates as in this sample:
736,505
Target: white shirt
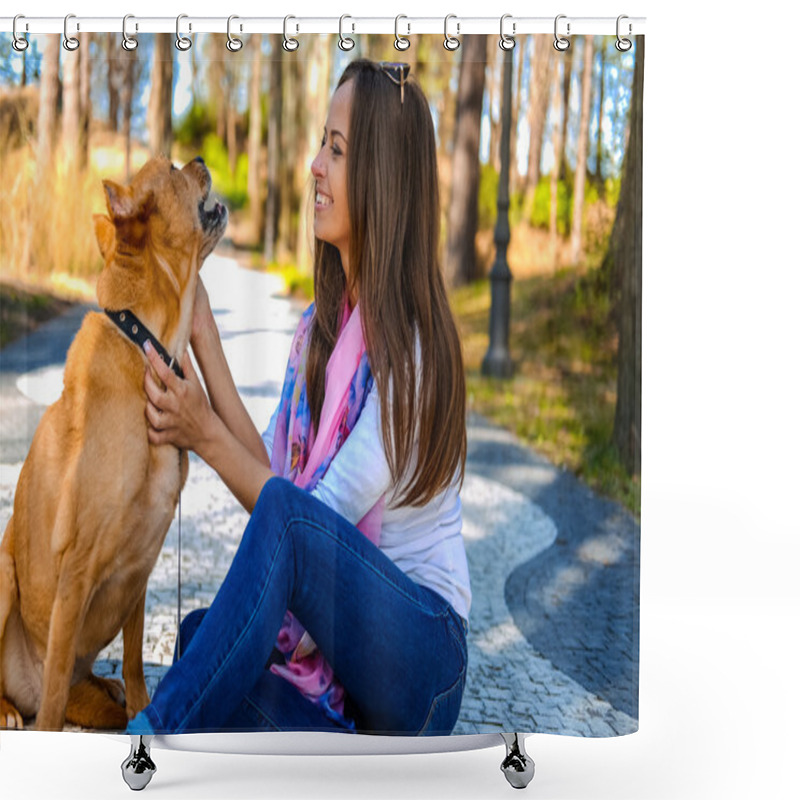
425,542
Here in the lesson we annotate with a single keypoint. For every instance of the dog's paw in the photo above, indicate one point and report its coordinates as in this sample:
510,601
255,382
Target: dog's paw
10,718
112,687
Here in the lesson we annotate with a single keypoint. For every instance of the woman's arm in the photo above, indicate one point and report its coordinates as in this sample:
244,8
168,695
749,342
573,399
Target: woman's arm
180,414
222,392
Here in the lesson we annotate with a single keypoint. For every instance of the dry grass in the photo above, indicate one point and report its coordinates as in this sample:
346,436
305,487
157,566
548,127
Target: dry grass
562,397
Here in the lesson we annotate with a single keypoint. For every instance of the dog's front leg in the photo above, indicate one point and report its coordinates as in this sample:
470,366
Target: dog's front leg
66,620
136,696
9,716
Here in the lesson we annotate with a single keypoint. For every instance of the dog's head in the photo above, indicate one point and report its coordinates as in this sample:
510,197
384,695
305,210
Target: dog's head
157,233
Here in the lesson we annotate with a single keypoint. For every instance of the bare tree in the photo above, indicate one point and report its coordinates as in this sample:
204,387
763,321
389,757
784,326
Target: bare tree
583,149
541,80
559,135
71,109
85,117
567,77
112,80
316,98
273,206
518,53
600,112
254,193
624,259
131,67
460,258
48,103
159,112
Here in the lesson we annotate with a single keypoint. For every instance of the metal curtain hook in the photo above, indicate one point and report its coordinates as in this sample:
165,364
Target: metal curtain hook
401,42
128,42
19,43
182,42
289,44
233,44
507,42
450,42
345,42
70,42
560,43
623,45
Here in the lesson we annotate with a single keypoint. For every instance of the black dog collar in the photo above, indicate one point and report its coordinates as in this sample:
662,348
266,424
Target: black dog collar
138,333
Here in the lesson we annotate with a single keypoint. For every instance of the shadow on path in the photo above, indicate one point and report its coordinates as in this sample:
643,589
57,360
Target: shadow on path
577,603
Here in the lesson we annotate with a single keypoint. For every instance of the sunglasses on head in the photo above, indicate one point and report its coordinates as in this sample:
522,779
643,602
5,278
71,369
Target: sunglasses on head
397,72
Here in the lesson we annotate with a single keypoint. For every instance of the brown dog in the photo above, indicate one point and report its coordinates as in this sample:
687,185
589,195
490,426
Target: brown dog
94,499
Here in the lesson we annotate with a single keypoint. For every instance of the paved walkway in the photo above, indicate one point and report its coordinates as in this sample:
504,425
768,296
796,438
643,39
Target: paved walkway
553,643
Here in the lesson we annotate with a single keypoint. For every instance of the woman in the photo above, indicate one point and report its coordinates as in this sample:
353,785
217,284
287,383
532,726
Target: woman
355,524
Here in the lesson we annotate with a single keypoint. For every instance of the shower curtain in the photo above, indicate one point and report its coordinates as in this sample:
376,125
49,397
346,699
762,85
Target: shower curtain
550,499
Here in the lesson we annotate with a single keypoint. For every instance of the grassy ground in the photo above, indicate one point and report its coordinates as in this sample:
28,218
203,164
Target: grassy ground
562,397
23,308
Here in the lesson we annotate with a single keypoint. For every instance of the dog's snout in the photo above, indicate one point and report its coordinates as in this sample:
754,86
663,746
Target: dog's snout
200,160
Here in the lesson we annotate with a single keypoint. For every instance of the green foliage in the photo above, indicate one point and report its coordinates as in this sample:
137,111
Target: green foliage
487,197
612,189
540,216
195,126
233,187
487,200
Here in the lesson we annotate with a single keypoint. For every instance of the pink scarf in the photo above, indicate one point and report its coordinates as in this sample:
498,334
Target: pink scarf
302,455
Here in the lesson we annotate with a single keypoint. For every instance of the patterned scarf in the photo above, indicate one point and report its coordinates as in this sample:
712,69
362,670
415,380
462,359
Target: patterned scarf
302,456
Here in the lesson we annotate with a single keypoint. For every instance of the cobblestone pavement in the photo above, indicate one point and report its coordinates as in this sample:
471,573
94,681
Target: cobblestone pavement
553,641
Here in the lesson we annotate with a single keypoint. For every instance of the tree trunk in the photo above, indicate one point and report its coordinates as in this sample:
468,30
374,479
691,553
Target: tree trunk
111,81
159,112
129,76
583,150
541,82
48,103
559,134
626,262
519,54
71,109
316,100
85,101
460,258
254,193
495,67
562,162
273,207
599,154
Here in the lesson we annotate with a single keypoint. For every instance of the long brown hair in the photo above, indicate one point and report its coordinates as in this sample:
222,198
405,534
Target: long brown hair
393,198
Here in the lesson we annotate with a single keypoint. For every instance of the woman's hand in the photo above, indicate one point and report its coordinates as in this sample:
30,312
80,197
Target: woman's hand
178,411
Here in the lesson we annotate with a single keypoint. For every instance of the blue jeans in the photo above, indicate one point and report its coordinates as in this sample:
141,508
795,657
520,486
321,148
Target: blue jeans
398,648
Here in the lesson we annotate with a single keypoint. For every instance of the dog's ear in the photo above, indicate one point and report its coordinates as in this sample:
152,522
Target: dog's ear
106,235
123,206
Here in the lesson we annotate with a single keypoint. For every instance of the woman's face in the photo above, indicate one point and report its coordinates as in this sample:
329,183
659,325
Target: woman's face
331,212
